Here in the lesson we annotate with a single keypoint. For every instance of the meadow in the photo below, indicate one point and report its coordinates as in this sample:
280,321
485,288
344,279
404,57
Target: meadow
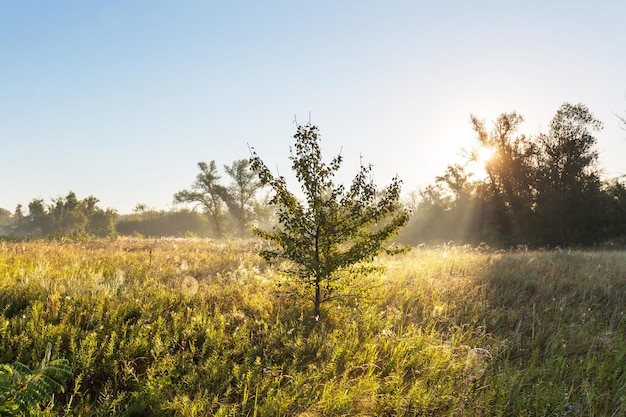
191,327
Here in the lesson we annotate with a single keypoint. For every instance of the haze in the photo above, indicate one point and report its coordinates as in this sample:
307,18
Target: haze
120,100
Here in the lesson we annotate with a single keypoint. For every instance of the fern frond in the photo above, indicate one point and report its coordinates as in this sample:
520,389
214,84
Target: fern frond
22,390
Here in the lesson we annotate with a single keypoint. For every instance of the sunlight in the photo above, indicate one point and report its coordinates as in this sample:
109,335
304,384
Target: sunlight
480,158
484,154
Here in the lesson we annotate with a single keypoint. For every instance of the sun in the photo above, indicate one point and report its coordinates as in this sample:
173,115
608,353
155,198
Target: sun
484,154
480,158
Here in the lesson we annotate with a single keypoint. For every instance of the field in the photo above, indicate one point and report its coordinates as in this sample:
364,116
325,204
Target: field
203,328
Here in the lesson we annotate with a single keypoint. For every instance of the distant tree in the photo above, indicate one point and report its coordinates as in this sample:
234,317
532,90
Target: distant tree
141,208
6,220
457,180
156,223
453,208
239,196
614,211
69,217
37,222
264,213
569,178
205,192
18,214
511,172
18,222
100,223
542,190
335,229
65,217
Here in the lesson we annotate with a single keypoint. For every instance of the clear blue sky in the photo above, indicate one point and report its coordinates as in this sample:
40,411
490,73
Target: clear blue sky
121,99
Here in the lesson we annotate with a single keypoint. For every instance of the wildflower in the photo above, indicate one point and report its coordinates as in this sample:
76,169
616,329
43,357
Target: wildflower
574,406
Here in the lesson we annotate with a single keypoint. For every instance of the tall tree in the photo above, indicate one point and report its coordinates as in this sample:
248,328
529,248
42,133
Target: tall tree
334,229
239,196
543,190
510,170
569,184
206,191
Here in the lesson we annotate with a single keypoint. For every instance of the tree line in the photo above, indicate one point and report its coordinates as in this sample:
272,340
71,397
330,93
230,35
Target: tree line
224,211
66,216
542,190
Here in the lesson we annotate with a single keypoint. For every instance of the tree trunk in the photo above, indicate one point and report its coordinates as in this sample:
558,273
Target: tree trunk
318,300
318,276
217,227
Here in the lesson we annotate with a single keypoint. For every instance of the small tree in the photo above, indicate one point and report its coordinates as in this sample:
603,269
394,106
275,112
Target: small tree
335,228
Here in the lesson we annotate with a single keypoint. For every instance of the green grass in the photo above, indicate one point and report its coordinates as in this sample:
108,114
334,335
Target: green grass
197,328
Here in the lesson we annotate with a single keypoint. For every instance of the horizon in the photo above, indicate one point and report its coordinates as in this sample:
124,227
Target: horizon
121,101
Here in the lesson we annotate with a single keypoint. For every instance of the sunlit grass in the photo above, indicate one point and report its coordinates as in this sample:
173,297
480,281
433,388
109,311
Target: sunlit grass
197,327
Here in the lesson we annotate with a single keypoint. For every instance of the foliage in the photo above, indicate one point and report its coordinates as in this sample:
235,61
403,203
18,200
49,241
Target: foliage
449,331
66,217
543,191
240,195
205,192
153,223
22,390
6,222
613,218
510,174
238,198
335,229
569,186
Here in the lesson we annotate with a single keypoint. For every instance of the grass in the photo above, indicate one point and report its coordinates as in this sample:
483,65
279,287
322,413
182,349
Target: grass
196,327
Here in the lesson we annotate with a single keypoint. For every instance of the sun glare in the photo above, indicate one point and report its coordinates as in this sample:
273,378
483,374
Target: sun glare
484,154
480,158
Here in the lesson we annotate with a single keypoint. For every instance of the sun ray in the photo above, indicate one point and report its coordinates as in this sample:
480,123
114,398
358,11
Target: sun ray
484,154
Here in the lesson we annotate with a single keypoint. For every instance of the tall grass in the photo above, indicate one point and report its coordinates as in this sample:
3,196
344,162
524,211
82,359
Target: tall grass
196,328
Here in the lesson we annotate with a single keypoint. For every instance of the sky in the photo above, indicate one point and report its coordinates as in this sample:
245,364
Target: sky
121,99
